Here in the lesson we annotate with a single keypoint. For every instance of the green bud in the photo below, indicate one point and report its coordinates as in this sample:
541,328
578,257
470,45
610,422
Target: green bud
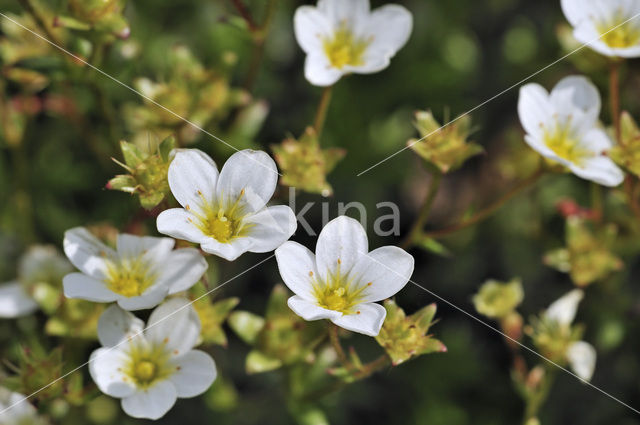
246,325
446,148
212,315
498,300
147,176
258,362
587,257
405,337
627,153
305,165
553,339
75,318
101,15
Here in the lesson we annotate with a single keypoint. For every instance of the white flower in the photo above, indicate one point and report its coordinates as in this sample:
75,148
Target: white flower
226,214
20,411
139,274
344,36
563,126
580,355
343,280
610,27
149,370
40,266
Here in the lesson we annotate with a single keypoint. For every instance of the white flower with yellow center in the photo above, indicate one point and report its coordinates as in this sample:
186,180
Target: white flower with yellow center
580,355
610,27
226,213
344,36
343,280
18,410
138,275
150,369
40,268
563,127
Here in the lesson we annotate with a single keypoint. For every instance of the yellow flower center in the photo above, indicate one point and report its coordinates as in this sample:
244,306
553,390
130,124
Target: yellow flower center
345,49
563,143
129,277
148,364
223,221
626,35
338,293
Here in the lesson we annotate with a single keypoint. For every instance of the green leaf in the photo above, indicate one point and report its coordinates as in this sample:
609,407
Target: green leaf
246,325
434,247
258,362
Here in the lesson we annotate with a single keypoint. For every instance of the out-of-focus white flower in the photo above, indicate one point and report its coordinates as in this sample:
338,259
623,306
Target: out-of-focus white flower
20,411
563,126
344,36
343,280
39,269
138,275
610,27
226,214
149,370
580,355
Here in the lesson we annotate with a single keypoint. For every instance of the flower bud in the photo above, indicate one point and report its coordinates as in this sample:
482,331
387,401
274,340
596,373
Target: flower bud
627,153
499,300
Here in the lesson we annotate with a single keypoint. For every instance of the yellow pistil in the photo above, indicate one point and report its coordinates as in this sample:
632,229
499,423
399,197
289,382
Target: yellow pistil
344,48
562,143
623,36
148,364
129,277
221,220
339,293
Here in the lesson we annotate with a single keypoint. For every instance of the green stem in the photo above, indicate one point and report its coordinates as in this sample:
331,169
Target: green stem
491,209
337,346
614,93
418,226
323,108
259,34
537,400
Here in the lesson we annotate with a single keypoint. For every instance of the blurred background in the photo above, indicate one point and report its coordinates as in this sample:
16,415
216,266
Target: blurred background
61,126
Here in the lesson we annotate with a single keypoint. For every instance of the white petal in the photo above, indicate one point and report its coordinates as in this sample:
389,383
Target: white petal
14,301
309,310
367,320
131,246
597,141
391,27
150,298
182,269
384,272
78,285
271,227
584,94
193,176
351,12
340,244
534,109
116,325
196,373
229,251
252,173
564,309
297,266
105,367
86,252
575,11
582,357
176,324
152,403
601,170
311,27
180,224
319,72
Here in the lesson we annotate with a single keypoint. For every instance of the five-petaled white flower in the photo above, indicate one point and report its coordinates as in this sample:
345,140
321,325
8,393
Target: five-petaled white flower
610,27
226,214
343,280
563,126
580,355
16,410
344,36
139,274
40,266
150,369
